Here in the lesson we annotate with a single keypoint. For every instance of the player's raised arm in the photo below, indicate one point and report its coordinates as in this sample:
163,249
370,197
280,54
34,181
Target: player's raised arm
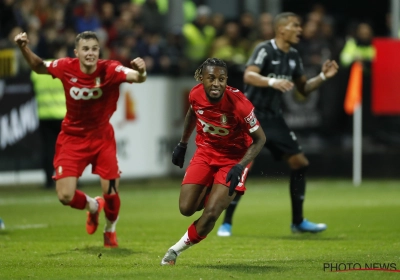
329,70
139,74
35,62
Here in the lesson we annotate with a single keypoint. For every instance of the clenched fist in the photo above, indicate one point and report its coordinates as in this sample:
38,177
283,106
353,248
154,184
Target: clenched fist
138,65
21,39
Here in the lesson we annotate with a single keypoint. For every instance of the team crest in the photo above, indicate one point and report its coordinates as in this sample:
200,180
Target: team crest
97,81
224,119
292,63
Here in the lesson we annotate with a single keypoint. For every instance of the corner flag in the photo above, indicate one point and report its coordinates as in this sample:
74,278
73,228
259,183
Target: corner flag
354,89
353,106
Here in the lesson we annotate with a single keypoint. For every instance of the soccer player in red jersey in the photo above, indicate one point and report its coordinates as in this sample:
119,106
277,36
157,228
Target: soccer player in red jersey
92,89
228,139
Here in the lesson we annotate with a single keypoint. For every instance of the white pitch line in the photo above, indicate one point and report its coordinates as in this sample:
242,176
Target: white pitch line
28,226
19,201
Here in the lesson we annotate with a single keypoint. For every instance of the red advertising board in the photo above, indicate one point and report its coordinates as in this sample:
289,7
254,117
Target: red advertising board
386,77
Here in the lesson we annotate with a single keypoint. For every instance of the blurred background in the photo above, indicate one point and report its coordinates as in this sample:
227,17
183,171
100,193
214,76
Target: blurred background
174,37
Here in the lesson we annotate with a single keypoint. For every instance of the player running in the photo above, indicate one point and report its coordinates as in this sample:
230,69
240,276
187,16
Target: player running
228,139
91,88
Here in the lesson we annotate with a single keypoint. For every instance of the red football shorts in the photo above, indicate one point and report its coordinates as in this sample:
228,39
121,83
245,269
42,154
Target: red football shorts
207,168
74,153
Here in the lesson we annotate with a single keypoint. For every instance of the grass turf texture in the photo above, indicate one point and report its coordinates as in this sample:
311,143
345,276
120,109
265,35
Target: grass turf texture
44,240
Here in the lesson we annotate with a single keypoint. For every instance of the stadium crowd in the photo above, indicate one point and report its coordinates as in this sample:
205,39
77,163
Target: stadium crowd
142,28
130,28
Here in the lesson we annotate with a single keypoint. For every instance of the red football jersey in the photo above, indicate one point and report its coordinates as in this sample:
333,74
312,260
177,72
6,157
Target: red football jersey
91,99
225,126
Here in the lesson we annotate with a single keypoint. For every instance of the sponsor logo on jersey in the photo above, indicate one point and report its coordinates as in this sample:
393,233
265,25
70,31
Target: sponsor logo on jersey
85,93
275,62
273,75
124,69
292,63
224,119
251,119
212,129
73,79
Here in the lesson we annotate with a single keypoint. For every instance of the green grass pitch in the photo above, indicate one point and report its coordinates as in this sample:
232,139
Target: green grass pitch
44,240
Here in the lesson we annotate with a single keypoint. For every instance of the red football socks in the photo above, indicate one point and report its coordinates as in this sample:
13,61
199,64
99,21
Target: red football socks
79,200
194,237
111,207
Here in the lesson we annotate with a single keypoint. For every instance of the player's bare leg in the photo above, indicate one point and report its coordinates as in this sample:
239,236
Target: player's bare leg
298,163
111,210
190,199
218,201
69,195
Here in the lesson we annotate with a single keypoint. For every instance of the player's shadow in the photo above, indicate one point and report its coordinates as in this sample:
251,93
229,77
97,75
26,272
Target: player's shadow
249,268
99,251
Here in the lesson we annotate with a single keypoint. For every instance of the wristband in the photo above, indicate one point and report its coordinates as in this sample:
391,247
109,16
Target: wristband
322,75
144,74
181,144
271,81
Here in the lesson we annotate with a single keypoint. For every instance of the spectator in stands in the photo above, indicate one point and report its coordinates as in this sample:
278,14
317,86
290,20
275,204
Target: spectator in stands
359,47
265,30
7,20
88,20
50,100
199,36
218,22
153,20
313,49
248,28
233,49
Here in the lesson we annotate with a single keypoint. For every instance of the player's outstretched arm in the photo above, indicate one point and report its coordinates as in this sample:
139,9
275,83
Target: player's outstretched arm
253,77
35,62
255,148
139,74
329,70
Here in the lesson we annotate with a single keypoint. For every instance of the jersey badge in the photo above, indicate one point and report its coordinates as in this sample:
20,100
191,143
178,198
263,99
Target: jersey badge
292,63
97,81
224,119
251,119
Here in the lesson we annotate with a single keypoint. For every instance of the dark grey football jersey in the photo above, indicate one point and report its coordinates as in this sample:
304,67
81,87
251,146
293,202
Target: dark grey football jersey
273,63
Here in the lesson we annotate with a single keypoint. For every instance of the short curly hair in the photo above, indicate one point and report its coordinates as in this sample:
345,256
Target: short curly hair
209,62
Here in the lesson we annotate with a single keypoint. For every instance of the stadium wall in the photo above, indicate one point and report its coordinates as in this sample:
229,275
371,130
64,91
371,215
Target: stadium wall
148,124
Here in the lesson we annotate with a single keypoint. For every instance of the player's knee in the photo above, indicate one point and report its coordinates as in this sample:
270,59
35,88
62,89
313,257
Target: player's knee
65,198
186,209
298,162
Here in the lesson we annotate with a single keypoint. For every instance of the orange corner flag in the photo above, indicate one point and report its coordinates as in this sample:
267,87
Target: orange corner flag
354,89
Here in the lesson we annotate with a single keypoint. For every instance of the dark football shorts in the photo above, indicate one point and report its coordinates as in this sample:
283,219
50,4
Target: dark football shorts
280,139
